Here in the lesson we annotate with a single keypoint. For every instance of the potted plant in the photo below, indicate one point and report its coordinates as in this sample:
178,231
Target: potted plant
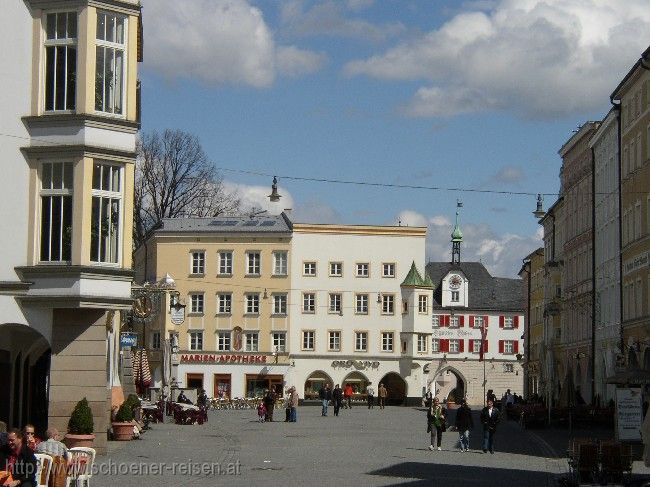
123,424
80,426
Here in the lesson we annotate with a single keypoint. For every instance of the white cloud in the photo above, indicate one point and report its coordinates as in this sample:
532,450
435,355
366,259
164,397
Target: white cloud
257,197
509,174
538,58
501,254
218,42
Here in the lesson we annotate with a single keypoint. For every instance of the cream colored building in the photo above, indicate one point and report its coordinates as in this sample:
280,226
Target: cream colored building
68,126
532,274
633,97
233,276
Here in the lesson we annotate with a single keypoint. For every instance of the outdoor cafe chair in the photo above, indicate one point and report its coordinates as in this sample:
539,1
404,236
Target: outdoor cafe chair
80,469
43,468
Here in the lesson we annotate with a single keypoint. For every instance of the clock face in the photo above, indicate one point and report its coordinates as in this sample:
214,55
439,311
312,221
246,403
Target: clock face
455,281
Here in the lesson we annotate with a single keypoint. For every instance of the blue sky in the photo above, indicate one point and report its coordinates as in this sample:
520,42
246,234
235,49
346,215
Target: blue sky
449,94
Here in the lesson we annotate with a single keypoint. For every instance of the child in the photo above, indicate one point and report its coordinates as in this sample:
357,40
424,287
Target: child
261,412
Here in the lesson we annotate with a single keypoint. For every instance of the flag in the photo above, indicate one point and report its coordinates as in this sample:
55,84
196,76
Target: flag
483,335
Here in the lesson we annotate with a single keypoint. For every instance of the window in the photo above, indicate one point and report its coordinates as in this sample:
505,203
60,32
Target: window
308,339
279,304
106,224
387,341
336,269
422,343
334,341
198,263
453,321
225,263
435,321
155,340
476,346
423,304
309,303
335,303
508,346
252,342
363,269
387,304
309,269
223,341
388,269
252,304
435,345
224,303
56,211
508,322
454,345
478,322
280,263
508,368
196,303
253,263
361,341
110,63
196,340
455,296
279,341
60,61
361,304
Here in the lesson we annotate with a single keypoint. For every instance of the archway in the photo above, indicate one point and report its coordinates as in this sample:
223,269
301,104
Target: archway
396,387
357,380
24,376
315,382
450,386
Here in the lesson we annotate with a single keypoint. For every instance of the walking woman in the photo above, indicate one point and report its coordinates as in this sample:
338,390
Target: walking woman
436,421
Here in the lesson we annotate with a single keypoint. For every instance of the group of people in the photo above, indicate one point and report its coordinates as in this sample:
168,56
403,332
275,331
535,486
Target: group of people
267,406
464,423
382,395
17,448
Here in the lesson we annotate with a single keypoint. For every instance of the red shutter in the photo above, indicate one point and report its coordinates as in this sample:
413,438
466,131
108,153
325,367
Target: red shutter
485,346
502,320
516,347
471,321
500,346
461,345
447,320
471,345
444,345
485,320
515,321
461,321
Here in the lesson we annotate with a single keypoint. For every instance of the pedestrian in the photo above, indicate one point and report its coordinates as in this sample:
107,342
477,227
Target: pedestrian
287,406
269,402
347,393
370,394
464,423
435,423
383,393
428,399
19,460
261,412
325,395
337,399
293,399
489,419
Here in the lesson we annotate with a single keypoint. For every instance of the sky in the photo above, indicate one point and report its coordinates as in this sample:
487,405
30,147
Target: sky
419,103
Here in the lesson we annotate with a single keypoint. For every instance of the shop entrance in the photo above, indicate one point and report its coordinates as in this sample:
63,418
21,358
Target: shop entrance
257,384
194,381
396,387
315,382
357,380
221,388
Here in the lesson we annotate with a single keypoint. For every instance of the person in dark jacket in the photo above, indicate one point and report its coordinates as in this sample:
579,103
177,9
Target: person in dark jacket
337,399
464,423
269,401
489,419
19,459
325,395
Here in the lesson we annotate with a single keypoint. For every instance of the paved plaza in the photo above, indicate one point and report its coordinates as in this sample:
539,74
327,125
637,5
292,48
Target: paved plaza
360,447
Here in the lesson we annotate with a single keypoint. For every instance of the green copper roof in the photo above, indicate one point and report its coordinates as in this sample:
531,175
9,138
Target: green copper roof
413,278
456,235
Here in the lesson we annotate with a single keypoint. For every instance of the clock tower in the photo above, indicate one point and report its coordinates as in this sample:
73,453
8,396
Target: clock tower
456,237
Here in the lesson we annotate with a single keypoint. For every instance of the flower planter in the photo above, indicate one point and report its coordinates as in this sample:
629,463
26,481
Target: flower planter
122,431
73,441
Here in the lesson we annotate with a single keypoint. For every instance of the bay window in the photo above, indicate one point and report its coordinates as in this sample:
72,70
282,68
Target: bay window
60,61
106,223
110,63
56,212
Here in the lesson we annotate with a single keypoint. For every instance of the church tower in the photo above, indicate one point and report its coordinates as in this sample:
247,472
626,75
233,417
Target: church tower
456,237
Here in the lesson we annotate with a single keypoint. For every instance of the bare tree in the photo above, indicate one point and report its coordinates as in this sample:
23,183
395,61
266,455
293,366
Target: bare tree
174,178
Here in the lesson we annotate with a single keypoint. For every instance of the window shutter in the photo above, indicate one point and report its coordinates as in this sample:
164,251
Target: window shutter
461,321
515,321
447,317
516,347
461,345
444,345
500,346
471,345
502,321
471,321
485,320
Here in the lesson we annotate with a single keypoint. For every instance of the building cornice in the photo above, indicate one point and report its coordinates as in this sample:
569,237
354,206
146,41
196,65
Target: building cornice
87,120
359,230
63,301
123,6
85,272
94,152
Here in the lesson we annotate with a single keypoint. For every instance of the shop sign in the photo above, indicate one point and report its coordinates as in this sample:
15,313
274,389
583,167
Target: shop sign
211,358
629,414
177,314
128,340
452,333
636,263
359,364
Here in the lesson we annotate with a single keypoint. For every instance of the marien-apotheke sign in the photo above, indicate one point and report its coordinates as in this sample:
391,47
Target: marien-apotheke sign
213,358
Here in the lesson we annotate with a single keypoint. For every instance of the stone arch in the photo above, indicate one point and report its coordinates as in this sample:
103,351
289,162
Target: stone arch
316,380
451,385
25,356
397,389
358,381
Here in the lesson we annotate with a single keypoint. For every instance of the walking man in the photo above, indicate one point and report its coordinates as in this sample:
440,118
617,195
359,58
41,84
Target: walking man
489,419
337,398
293,401
464,423
347,393
383,392
325,395
370,393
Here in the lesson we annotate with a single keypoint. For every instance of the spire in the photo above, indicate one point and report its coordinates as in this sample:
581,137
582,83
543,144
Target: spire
414,278
456,236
